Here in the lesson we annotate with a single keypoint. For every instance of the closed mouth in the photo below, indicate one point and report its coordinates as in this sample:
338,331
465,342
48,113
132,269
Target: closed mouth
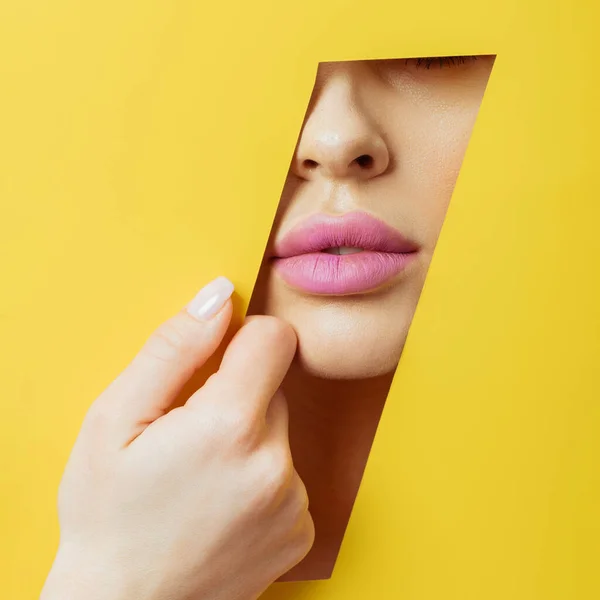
338,255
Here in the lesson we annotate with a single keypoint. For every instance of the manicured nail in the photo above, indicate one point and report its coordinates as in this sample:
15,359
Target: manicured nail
210,299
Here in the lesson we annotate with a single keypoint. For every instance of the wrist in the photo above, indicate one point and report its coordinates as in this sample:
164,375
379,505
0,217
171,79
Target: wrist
78,577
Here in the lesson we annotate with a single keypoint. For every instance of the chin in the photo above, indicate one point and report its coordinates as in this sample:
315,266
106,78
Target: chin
341,338
357,354
316,366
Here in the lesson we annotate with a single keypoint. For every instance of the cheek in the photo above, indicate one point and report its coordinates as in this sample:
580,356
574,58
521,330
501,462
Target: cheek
433,160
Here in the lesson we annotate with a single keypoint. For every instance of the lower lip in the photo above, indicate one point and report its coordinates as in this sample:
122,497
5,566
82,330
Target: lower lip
338,274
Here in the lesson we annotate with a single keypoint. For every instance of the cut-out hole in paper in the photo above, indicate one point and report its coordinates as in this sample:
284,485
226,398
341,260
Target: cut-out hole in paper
367,192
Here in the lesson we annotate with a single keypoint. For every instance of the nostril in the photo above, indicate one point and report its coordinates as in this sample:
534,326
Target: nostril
310,164
364,161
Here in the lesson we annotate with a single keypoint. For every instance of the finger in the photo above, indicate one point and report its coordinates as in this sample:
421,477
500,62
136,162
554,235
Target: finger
301,539
146,388
301,502
253,366
277,420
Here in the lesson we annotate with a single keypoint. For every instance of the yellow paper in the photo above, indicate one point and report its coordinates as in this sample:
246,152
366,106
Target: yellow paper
131,173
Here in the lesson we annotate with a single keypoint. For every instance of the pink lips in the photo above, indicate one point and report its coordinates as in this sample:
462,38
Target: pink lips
300,260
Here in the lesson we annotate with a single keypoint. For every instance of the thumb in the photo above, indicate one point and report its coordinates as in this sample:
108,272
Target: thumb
144,391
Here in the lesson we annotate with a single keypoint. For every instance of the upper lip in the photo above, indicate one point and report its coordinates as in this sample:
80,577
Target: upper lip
354,230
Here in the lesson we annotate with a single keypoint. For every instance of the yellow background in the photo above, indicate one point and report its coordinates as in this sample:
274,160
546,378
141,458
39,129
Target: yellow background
143,148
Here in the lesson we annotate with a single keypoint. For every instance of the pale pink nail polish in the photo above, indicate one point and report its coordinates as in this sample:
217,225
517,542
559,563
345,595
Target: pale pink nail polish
210,299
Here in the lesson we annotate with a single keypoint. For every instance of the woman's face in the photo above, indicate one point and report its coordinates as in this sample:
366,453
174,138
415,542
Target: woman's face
362,207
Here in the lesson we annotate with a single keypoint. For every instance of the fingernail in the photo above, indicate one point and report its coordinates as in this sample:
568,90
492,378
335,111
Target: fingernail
210,299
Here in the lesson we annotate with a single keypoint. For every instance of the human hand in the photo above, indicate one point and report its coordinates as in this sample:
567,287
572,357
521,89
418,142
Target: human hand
200,502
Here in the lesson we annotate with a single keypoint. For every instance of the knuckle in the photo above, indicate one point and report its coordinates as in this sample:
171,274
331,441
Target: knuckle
226,416
301,542
306,536
235,425
274,474
170,342
280,468
98,418
301,500
95,437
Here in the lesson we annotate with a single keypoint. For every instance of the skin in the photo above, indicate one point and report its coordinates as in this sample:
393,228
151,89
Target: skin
252,460
414,123
158,505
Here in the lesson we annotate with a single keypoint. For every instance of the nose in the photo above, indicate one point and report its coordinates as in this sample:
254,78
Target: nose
339,139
